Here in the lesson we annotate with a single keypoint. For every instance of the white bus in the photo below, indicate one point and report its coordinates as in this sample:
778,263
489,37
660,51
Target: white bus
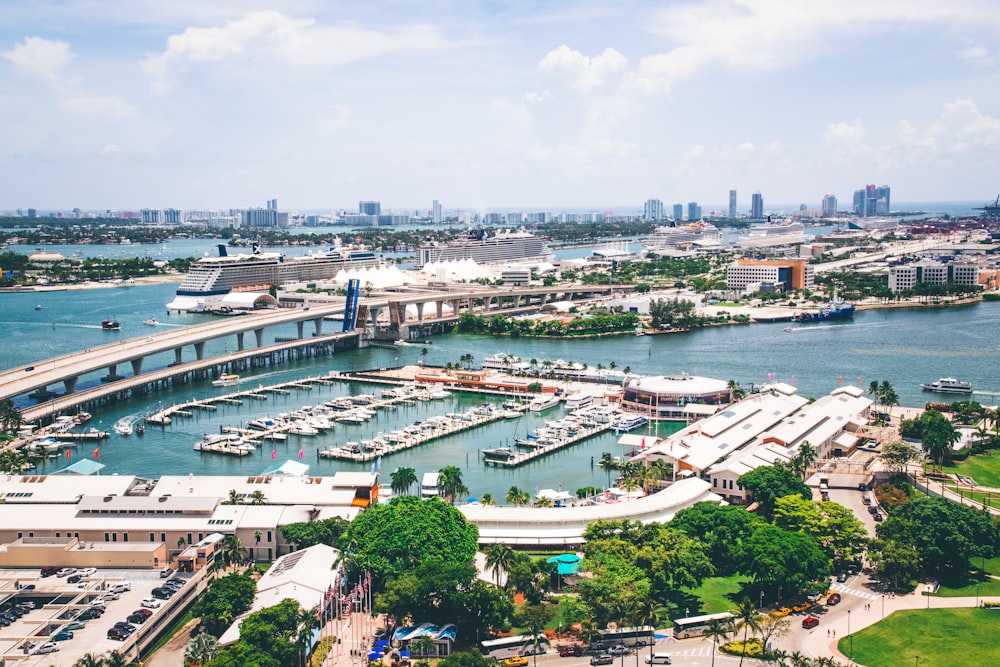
508,647
696,625
640,636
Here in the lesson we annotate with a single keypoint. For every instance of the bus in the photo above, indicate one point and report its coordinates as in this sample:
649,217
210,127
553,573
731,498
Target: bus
508,647
639,636
696,626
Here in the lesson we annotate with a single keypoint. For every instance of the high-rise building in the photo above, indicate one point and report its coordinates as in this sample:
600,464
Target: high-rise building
436,212
872,201
151,216
370,208
272,204
678,212
757,206
732,204
652,210
694,211
829,205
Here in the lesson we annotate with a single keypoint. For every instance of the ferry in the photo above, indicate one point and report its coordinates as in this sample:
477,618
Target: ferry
578,400
948,386
629,422
483,247
543,403
211,278
226,380
110,325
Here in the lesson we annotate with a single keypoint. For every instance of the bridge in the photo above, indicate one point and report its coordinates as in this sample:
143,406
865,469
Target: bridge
67,369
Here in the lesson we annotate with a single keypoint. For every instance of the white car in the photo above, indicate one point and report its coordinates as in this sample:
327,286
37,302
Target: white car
88,571
47,647
109,595
121,587
66,571
151,603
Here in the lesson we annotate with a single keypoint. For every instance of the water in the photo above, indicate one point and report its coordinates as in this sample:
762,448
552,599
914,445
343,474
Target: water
905,347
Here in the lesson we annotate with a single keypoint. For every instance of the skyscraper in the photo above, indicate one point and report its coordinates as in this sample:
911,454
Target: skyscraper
369,208
732,204
757,206
829,205
872,201
678,212
652,210
436,212
694,211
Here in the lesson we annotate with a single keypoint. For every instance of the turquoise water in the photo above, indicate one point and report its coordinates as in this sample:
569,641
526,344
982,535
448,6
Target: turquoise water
905,347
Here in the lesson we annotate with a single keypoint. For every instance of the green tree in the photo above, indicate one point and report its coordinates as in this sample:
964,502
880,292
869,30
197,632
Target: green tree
718,630
768,483
517,497
803,460
838,531
403,479
533,618
234,498
747,619
723,528
225,599
233,551
607,463
894,563
450,484
937,435
309,533
89,660
471,658
773,555
201,649
258,498
499,556
897,455
10,416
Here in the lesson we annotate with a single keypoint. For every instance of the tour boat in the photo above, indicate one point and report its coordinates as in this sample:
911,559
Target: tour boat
226,380
110,325
543,403
949,386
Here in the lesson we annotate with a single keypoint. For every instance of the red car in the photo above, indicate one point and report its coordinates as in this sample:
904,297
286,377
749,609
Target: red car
810,622
834,599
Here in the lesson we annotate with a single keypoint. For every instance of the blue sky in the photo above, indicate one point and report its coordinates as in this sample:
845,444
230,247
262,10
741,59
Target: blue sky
531,105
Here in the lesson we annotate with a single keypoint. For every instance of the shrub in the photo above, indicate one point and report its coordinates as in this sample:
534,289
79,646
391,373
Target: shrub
755,647
892,493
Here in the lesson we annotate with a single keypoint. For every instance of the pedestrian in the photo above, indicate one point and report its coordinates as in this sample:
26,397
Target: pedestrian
828,632
835,632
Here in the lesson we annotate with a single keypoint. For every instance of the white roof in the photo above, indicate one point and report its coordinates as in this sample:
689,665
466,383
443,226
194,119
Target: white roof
679,385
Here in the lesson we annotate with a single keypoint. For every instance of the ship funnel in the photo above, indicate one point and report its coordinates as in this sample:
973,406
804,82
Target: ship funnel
222,250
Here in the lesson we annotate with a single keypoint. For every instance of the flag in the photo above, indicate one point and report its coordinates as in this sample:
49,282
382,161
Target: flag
97,452
368,577
301,453
373,469
274,453
643,445
793,378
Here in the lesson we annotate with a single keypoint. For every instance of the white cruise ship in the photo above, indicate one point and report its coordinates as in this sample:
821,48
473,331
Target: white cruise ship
484,248
696,233
211,278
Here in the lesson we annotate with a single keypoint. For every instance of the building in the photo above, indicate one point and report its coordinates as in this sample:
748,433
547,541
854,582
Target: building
514,217
694,211
732,204
151,216
829,206
757,206
678,212
675,396
369,208
652,210
259,217
791,274
872,201
907,276
436,217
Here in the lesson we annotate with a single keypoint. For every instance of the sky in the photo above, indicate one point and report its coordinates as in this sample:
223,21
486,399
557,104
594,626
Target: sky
530,105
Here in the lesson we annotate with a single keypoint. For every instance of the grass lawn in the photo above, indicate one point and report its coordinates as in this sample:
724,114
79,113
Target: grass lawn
977,497
717,594
984,468
941,637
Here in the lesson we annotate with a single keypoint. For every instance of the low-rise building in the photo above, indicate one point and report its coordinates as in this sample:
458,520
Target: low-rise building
794,274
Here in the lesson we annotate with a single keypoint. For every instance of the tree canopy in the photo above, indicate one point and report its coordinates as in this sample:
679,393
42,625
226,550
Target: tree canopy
225,599
768,483
310,533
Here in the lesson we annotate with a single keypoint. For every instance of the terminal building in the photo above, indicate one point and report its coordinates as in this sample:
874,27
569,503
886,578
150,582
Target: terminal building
683,396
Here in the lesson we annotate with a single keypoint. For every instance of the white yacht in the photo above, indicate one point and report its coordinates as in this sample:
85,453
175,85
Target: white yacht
948,386
429,485
543,403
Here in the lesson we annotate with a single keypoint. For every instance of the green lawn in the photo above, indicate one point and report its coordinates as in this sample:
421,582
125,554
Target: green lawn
984,468
940,637
717,594
977,497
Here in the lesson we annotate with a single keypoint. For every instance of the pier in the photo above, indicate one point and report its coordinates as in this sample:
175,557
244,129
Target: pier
538,450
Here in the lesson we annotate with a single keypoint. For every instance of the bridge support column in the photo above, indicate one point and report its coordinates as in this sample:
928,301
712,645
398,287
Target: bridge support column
199,350
440,309
318,326
112,372
239,341
455,307
137,366
300,328
420,311
70,384
259,333
178,359
517,300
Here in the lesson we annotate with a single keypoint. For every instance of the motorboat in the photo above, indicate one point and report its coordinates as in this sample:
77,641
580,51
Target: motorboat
511,414
578,400
261,424
303,429
151,322
226,380
123,427
499,454
629,422
39,307
948,386
543,403
110,325
438,394
786,329
276,437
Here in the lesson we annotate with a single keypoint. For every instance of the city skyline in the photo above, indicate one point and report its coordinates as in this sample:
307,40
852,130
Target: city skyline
481,105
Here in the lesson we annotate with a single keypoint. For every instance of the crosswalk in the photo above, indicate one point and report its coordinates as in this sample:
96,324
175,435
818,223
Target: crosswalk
866,595
702,651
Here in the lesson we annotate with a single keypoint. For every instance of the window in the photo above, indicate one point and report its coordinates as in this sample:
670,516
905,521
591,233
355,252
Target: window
107,537
268,536
114,537
124,537
189,538
152,537
163,537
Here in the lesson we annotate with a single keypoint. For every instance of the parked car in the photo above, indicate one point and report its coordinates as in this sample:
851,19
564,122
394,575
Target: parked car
66,571
810,622
127,627
62,636
151,603
74,578
49,570
88,571
877,516
515,661
5,622
117,634
166,572
602,660
121,587
834,599
781,612
176,581
841,577
47,647
571,651
145,612
619,649
75,625
138,618
90,613
109,595
162,593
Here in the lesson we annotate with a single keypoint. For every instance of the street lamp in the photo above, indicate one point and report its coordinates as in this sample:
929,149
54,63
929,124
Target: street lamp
928,596
977,593
917,658
883,606
762,599
850,636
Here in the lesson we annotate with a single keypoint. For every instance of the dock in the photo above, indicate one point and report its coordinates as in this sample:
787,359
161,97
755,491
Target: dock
538,451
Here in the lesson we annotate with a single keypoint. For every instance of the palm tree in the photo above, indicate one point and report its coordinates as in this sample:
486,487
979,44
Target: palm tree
116,659
89,660
450,483
422,646
607,463
718,630
402,479
256,537
648,612
201,649
233,550
487,500
873,389
804,459
499,557
234,498
517,497
258,498
10,416
305,619
748,618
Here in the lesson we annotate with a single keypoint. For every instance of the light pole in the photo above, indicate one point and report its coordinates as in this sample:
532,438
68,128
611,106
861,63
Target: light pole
917,659
883,606
850,636
762,599
928,596
977,593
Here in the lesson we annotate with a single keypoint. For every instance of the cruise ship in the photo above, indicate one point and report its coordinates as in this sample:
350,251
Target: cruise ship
485,248
211,278
697,233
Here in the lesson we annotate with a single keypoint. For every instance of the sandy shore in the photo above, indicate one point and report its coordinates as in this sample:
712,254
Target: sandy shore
145,280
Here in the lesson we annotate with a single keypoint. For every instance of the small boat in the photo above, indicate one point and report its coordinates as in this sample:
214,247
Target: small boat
511,414
499,454
110,325
226,380
638,330
123,427
140,429
629,422
82,417
262,424
787,329
276,437
948,386
303,429
151,322
543,403
39,307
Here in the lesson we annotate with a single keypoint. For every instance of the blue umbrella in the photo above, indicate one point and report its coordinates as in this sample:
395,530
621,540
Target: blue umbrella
374,656
404,654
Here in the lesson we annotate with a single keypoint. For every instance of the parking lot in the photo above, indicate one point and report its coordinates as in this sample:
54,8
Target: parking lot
60,604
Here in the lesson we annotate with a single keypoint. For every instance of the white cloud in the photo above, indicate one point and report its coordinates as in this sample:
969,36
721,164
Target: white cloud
587,73
107,107
272,36
978,55
536,98
745,147
41,57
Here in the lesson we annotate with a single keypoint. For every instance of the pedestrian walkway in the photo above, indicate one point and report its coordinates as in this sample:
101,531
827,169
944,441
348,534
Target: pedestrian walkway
867,595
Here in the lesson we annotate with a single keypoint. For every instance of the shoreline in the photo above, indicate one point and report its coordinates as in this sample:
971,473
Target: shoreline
132,282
